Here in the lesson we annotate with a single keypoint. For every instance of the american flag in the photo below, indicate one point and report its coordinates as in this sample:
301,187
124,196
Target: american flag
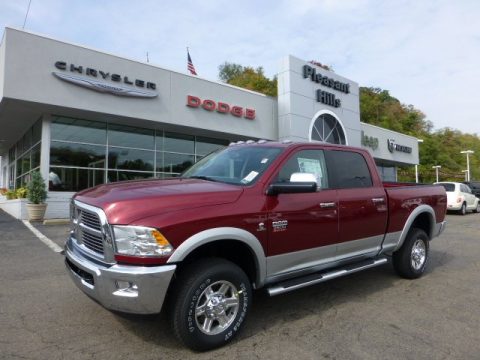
190,66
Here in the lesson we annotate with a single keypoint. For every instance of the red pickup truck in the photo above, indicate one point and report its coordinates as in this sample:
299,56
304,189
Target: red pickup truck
279,216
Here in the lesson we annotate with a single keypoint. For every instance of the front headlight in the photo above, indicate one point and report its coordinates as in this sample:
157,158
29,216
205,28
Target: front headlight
140,241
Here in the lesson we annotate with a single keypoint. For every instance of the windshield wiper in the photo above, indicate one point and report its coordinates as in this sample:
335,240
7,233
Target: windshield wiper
201,177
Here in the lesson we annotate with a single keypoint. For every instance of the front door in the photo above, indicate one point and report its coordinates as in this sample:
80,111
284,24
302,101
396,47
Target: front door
302,228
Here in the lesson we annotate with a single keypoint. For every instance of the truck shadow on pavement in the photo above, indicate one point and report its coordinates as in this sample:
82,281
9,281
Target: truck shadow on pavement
273,312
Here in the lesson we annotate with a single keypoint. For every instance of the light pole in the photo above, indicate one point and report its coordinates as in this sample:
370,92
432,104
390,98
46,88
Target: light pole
416,165
436,167
468,152
465,172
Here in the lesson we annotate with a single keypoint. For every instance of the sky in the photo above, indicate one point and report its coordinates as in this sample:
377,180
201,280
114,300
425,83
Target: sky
425,52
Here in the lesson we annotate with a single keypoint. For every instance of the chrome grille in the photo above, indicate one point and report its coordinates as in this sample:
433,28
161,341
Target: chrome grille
89,230
92,242
90,220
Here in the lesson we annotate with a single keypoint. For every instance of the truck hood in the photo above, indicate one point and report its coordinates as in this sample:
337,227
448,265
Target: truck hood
126,202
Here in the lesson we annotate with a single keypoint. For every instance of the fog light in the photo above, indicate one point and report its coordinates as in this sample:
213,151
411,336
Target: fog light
126,288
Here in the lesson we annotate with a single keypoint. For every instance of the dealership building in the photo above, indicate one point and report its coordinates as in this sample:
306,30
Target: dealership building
83,117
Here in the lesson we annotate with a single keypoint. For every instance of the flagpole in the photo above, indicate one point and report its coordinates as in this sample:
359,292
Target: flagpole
26,15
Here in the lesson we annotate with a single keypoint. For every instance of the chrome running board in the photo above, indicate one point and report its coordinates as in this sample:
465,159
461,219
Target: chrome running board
308,280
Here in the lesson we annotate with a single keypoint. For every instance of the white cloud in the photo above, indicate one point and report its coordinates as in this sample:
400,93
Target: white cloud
424,52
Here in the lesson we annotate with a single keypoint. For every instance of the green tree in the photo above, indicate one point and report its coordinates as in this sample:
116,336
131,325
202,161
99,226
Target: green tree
441,147
379,107
248,78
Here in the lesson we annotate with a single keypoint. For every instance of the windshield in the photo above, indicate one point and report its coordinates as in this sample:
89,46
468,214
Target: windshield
234,165
449,187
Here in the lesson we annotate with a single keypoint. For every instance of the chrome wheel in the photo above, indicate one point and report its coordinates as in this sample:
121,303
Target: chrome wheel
419,254
216,308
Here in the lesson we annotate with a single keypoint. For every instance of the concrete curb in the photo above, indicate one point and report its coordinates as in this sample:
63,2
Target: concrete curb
56,222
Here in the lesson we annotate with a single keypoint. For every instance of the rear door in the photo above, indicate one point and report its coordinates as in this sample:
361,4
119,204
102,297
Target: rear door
362,207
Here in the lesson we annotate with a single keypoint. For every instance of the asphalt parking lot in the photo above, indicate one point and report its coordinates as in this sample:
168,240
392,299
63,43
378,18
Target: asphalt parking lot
368,315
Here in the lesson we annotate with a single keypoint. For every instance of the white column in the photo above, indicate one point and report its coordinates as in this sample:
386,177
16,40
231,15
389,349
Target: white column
45,148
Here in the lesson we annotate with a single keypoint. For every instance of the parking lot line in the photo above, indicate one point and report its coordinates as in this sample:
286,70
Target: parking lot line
42,237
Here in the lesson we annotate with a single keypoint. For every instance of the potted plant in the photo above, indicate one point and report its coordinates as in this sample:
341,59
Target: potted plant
10,194
36,195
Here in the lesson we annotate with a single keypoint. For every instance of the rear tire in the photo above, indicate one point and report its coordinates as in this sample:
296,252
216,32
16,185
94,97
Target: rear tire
411,259
463,210
209,303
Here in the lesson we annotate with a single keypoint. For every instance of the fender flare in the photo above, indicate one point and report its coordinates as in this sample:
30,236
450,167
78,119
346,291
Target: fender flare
421,209
225,233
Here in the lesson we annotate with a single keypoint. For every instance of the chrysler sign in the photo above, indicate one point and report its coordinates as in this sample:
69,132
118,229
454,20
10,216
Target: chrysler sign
104,81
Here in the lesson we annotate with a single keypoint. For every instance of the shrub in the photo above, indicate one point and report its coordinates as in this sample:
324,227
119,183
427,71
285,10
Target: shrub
37,192
10,194
21,193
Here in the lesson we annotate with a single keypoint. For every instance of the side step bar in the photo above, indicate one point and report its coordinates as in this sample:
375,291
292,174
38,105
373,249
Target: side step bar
304,281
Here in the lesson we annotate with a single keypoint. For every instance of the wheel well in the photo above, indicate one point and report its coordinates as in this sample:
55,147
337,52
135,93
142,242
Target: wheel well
424,222
232,250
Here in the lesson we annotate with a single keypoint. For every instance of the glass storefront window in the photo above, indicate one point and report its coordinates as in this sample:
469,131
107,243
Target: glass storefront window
77,130
114,176
82,155
174,163
24,156
37,132
11,155
122,152
127,136
74,179
20,147
36,156
27,140
130,159
26,163
19,166
205,146
179,143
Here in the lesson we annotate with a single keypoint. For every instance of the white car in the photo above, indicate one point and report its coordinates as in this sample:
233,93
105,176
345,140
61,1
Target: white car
460,197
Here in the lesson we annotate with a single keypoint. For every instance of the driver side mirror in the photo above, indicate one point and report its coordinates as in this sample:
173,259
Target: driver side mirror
299,183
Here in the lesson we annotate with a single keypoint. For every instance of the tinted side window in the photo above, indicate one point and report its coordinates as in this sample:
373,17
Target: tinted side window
347,170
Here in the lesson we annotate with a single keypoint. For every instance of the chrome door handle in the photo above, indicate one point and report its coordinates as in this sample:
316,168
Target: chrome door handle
378,200
326,205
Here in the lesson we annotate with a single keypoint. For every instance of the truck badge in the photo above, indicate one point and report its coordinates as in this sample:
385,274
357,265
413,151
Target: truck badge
280,225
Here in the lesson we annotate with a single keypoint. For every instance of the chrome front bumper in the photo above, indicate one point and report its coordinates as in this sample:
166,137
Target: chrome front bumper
130,289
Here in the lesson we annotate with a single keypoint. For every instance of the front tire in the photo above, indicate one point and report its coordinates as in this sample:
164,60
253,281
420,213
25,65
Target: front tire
411,259
210,302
